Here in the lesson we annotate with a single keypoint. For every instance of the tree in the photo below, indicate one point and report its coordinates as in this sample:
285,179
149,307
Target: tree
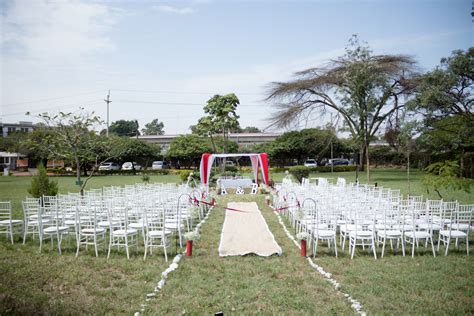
221,118
70,137
154,128
188,149
445,176
364,89
42,185
249,129
448,89
124,128
137,150
445,97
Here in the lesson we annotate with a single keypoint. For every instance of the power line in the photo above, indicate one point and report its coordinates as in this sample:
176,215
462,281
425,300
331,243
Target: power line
181,103
59,107
49,99
178,92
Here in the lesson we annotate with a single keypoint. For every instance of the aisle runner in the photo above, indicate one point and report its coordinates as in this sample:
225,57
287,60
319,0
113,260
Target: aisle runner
246,232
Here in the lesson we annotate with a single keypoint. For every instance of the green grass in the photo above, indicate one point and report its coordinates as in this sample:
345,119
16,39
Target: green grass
206,283
46,283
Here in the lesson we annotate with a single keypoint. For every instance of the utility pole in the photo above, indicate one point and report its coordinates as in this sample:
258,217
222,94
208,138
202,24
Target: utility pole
108,102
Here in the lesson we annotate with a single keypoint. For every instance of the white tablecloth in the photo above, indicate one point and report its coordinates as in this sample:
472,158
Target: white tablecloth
233,183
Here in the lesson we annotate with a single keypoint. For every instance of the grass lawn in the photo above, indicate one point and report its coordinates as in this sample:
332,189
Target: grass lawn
46,283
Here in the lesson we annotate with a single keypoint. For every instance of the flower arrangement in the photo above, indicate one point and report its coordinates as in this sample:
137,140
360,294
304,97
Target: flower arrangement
194,211
302,236
299,215
192,235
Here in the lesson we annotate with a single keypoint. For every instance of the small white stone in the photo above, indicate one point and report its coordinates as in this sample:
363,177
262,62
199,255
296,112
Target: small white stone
151,295
174,266
137,314
161,284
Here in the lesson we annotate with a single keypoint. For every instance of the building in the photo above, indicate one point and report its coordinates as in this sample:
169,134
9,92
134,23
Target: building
244,140
21,126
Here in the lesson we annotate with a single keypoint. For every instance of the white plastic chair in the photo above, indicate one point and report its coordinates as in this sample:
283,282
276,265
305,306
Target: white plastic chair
88,231
7,223
156,235
457,228
120,234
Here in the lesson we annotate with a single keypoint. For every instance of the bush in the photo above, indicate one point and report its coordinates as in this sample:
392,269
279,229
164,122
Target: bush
184,174
299,172
42,185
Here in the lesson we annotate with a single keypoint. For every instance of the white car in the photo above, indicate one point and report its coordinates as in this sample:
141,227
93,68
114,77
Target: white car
159,165
128,166
310,163
106,166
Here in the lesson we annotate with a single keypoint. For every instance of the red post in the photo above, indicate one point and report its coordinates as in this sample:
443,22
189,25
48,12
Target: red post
303,247
189,248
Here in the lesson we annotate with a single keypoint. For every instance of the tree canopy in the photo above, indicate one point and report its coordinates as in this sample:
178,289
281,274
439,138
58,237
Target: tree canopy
220,118
155,127
124,128
364,89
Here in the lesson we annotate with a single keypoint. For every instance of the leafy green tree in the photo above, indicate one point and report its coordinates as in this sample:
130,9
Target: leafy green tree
155,127
42,185
221,118
124,128
249,129
444,175
445,97
364,89
137,150
447,90
188,149
308,143
70,136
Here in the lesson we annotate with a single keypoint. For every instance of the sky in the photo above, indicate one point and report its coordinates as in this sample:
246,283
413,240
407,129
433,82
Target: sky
165,59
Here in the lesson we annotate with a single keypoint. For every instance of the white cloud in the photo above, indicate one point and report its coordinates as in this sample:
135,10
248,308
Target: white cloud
174,10
60,30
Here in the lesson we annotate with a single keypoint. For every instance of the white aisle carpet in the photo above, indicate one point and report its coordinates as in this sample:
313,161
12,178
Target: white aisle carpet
246,232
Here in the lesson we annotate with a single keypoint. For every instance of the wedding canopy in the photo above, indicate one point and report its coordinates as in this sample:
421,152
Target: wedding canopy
258,160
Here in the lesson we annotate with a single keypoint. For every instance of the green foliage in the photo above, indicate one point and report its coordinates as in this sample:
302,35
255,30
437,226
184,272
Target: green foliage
444,176
299,172
145,177
308,143
154,128
184,175
221,118
124,128
447,90
42,185
188,149
138,150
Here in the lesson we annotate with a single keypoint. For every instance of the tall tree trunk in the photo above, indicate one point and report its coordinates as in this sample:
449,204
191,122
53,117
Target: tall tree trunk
461,167
368,162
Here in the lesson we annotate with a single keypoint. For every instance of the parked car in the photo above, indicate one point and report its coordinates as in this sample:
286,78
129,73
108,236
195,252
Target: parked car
310,163
159,165
338,162
128,166
106,166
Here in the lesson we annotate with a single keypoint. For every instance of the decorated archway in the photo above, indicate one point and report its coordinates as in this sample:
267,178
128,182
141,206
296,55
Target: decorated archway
257,160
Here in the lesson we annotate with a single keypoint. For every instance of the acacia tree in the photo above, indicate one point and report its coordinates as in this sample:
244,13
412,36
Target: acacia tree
364,89
71,137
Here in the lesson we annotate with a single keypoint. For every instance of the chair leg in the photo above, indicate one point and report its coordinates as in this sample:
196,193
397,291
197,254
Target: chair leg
126,246
95,246
373,248
335,246
353,247
383,245
78,245
413,248
432,247
467,244
403,246
146,244
447,246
